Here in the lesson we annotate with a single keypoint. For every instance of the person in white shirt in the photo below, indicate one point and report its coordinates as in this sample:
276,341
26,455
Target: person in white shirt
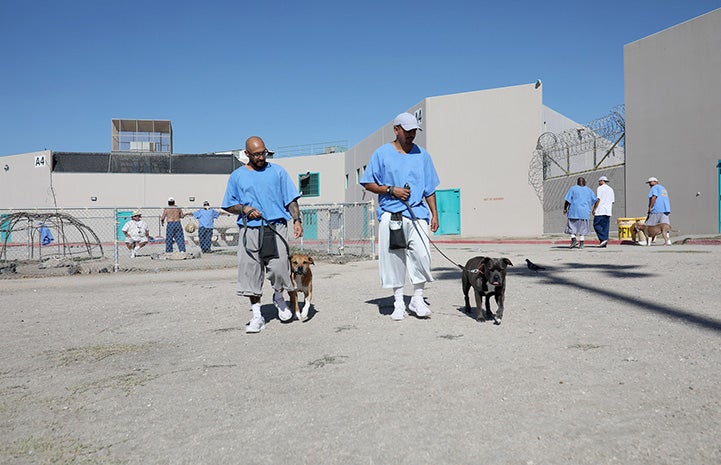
136,233
602,210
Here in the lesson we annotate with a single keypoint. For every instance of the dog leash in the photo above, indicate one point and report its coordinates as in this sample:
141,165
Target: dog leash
263,223
413,220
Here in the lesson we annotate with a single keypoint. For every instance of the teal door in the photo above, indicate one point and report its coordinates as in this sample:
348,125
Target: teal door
123,217
310,224
5,229
448,202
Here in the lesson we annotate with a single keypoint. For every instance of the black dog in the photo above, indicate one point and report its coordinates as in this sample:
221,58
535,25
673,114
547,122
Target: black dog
487,277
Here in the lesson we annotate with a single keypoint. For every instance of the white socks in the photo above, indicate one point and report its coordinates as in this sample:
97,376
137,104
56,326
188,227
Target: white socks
256,310
398,294
418,290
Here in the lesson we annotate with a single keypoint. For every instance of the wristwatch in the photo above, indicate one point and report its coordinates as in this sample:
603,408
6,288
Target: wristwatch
389,191
297,220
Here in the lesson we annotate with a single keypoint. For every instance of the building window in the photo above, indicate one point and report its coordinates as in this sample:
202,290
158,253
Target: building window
147,136
346,181
309,184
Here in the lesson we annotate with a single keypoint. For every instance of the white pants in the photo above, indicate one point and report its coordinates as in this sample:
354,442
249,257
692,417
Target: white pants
416,258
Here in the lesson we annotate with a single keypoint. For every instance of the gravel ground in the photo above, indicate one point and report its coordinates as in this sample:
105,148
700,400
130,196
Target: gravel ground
609,356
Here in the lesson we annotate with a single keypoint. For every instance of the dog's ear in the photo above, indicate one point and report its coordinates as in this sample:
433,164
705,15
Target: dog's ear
486,263
507,262
310,260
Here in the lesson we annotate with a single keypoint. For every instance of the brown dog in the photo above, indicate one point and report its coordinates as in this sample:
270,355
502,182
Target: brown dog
650,232
302,279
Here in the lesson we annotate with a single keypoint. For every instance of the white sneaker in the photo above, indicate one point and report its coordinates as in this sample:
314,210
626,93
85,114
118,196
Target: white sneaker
399,311
257,323
419,307
668,242
132,253
284,313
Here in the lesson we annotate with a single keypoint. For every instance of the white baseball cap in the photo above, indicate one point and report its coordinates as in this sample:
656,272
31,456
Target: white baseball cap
407,122
651,179
603,178
170,199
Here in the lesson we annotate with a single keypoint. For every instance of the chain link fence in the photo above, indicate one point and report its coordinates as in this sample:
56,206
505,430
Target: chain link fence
35,235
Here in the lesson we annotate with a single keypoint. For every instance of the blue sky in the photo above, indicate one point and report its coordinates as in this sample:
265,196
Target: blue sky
298,72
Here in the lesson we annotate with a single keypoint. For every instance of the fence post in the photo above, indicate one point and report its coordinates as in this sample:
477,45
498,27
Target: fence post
115,241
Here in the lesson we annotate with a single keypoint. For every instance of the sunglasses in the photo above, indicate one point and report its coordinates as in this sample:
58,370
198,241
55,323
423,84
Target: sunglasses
264,153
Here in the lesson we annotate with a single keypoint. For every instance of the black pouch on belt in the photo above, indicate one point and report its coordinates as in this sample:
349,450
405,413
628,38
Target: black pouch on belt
397,238
268,246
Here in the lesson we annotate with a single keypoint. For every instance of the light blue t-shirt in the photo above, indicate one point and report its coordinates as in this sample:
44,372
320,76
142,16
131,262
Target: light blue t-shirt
388,167
269,190
581,199
206,217
662,204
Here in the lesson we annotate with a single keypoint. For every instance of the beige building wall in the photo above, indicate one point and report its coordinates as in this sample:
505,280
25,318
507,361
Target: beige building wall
138,190
482,142
673,121
331,175
24,185
25,180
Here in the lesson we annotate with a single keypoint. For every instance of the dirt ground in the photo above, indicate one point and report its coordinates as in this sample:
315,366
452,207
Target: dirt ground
609,356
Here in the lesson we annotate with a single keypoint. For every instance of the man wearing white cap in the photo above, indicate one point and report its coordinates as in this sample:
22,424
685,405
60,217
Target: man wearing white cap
602,210
403,176
136,233
659,205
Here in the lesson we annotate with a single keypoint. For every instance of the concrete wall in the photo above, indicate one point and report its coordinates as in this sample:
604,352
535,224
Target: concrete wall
25,185
482,142
24,181
331,175
138,190
673,121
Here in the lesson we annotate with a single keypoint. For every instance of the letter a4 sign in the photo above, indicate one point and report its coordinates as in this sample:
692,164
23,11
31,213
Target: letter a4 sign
39,161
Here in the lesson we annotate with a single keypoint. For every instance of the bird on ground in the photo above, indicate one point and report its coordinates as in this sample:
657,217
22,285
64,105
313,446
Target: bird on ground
533,267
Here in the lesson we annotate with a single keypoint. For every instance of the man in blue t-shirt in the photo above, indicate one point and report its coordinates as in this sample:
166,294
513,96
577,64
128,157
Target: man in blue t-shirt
659,205
265,199
403,176
206,221
578,203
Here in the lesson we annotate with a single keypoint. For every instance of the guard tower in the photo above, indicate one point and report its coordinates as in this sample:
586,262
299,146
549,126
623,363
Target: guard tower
142,135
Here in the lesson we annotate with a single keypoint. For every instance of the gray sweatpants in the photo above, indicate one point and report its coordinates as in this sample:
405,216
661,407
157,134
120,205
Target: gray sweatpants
252,269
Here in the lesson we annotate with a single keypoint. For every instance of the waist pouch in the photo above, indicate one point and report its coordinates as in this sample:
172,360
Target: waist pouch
268,246
397,237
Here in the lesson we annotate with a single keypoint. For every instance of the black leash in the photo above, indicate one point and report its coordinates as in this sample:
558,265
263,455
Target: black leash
414,219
